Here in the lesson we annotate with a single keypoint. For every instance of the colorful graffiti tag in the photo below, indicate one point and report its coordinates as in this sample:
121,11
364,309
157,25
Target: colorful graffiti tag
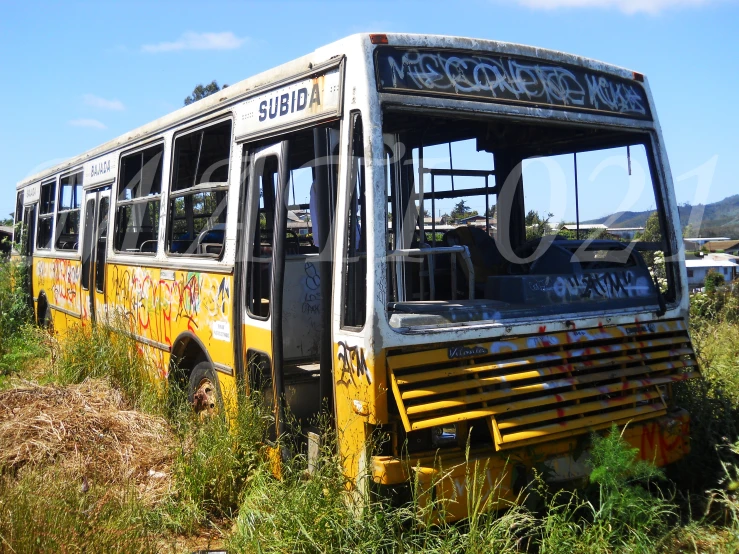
159,307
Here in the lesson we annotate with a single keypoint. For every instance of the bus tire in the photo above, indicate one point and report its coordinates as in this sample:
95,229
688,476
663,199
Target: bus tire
203,390
48,321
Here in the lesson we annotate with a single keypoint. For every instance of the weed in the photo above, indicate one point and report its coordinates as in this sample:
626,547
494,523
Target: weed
48,511
215,458
20,341
106,351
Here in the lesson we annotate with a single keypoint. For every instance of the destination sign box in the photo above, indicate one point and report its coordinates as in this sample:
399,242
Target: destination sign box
508,79
31,194
308,100
100,170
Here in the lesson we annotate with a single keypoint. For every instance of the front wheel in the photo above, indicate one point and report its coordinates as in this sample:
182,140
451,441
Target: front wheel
203,391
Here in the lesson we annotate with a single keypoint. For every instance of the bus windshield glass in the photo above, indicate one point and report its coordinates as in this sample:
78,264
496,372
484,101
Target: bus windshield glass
494,219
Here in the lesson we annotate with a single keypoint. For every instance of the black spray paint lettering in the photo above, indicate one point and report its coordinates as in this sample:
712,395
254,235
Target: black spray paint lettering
601,285
642,328
353,364
312,298
286,103
512,80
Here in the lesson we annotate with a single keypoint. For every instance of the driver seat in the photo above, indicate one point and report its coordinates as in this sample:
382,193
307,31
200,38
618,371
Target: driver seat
484,253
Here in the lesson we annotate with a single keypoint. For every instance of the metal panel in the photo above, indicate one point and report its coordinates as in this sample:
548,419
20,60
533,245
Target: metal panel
508,78
537,388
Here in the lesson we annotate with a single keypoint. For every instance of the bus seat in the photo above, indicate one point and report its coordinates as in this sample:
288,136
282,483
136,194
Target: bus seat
484,253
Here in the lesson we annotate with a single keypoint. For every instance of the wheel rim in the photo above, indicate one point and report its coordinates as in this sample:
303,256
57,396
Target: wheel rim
204,401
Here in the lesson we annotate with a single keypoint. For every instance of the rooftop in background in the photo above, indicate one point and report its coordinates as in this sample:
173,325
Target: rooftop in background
715,245
584,226
706,239
712,260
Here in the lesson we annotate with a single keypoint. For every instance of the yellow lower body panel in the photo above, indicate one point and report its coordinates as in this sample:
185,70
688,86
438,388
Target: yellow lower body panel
489,480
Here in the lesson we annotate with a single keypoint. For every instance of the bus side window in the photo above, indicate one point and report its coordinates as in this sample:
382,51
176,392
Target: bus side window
137,211
199,192
259,266
18,222
68,213
355,253
44,236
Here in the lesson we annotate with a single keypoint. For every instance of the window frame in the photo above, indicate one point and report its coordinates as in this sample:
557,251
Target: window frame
141,200
353,173
251,236
43,215
195,189
18,222
74,197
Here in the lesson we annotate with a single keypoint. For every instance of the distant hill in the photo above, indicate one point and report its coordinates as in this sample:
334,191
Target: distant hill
720,219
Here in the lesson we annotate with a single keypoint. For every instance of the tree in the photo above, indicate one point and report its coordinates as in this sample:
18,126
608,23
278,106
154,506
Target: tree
462,210
652,233
713,281
200,92
536,225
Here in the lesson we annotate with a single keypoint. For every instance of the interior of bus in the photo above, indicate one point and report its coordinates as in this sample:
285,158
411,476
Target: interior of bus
308,195
490,219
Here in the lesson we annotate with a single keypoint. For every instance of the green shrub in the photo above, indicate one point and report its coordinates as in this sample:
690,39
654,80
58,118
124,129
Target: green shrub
713,281
624,516
19,342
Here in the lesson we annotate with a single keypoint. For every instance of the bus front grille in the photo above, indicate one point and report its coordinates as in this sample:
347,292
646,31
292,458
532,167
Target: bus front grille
542,387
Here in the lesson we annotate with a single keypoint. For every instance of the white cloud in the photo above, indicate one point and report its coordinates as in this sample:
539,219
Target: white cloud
102,103
198,41
91,123
626,6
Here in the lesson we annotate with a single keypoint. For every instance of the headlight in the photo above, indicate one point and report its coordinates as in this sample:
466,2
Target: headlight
445,435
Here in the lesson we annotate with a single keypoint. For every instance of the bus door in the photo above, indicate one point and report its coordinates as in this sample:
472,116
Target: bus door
94,251
27,241
265,265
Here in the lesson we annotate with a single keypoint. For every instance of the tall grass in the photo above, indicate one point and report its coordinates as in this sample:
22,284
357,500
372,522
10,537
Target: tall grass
107,351
20,341
296,514
216,457
222,478
47,511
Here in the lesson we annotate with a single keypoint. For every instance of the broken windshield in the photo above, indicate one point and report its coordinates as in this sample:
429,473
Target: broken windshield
492,220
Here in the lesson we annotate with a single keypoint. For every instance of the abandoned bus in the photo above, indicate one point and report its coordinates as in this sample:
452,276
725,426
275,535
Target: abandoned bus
433,237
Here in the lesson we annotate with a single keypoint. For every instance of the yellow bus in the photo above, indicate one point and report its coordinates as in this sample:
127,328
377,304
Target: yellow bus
420,233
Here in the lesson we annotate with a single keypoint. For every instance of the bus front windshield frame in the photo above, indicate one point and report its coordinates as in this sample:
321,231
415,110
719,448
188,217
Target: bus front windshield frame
494,219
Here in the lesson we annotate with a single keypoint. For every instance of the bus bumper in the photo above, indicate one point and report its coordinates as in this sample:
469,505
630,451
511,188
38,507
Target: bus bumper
500,479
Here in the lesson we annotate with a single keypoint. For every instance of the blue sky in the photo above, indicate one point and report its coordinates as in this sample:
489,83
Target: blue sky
79,74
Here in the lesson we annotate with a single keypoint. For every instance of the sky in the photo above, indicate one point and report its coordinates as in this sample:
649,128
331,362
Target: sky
79,74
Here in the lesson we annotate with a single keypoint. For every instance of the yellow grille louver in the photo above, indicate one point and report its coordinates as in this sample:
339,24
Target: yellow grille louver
542,387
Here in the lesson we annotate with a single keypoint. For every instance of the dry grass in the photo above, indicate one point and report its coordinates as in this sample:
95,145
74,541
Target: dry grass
88,430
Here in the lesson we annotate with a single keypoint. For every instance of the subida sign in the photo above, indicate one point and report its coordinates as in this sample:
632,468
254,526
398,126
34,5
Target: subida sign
306,101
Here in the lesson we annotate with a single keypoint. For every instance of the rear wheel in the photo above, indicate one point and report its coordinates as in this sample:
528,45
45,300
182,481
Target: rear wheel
48,321
203,391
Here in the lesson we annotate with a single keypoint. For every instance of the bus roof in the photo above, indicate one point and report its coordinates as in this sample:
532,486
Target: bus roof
253,85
